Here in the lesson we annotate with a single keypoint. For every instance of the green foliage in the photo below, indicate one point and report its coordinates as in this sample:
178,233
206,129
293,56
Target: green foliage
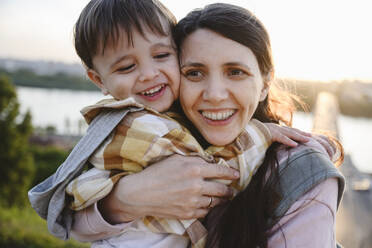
23,228
16,162
24,77
47,160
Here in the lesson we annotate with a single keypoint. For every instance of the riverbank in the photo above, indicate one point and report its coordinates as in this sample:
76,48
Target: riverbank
28,78
354,97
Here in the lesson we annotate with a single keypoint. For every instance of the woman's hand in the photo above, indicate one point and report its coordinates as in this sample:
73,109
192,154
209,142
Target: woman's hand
287,135
176,187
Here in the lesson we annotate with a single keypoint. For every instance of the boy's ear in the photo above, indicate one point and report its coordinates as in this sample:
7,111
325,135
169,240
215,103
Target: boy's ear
266,85
96,79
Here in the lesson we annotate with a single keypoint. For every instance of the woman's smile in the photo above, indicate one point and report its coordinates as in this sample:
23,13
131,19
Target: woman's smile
218,117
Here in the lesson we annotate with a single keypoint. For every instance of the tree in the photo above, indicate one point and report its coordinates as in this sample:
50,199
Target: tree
16,161
47,160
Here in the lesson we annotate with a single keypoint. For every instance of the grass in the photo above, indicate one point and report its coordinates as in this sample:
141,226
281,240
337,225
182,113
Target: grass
21,228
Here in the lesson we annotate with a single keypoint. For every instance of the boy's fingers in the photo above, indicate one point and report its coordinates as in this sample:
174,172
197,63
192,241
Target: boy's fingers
286,141
296,134
299,137
307,134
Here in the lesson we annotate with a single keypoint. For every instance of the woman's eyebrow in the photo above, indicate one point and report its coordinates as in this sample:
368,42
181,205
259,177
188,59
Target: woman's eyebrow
192,64
238,64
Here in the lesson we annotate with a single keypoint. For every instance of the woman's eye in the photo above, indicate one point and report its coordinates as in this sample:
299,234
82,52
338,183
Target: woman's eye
126,68
237,74
193,75
161,55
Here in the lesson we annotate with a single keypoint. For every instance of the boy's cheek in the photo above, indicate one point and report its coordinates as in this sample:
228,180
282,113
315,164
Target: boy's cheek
176,91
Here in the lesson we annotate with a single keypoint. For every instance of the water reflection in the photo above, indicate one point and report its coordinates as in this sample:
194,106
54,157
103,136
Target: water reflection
59,108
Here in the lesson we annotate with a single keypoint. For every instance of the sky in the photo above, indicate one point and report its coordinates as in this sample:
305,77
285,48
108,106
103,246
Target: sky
314,40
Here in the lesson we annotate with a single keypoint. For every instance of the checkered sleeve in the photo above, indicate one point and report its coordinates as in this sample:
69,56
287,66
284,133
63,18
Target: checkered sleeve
139,140
254,142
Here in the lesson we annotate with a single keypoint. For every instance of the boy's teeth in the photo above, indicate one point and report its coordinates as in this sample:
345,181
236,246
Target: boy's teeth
153,90
217,116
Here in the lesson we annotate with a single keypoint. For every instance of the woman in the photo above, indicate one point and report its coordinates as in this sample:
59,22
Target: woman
226,62
226,65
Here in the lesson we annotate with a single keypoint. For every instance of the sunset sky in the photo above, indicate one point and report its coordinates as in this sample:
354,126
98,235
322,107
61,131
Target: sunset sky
318,39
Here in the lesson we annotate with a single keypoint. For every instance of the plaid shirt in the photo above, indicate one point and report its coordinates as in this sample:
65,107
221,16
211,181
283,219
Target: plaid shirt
147,136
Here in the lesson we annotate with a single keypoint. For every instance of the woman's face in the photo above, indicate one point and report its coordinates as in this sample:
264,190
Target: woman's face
221,85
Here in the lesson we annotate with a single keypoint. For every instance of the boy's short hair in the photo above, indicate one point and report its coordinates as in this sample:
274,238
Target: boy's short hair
102,21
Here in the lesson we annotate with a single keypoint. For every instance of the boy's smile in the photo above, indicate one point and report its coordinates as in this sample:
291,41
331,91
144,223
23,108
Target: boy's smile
145,69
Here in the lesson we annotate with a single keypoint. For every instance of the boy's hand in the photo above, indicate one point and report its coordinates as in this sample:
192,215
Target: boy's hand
287,135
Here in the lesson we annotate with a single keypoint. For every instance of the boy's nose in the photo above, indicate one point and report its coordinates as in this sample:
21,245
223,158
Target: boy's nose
148,73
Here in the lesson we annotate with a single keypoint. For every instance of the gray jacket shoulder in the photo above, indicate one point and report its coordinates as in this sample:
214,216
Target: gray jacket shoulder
301,172
48,198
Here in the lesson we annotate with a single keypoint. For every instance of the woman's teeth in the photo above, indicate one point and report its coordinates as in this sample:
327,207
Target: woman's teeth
218,116
153,90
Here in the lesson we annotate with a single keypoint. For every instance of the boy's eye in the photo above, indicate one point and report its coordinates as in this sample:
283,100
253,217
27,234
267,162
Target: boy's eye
161,55
126,68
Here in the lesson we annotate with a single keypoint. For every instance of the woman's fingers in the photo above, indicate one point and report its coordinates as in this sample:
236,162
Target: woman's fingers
219,172
196,214
207,202
211,188
177,187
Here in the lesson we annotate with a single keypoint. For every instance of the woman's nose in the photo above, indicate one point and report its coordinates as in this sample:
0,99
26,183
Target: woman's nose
148,72
215,91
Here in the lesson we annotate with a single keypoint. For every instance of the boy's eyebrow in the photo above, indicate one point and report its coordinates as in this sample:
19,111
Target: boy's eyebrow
161,44
119,60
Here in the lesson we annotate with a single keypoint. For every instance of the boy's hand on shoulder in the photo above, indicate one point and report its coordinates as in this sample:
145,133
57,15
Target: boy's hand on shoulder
287,135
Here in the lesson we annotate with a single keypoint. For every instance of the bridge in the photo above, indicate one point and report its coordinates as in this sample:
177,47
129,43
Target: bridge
354,216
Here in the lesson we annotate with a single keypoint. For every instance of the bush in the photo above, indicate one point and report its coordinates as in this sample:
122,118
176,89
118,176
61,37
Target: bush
46,160
16,162
23,228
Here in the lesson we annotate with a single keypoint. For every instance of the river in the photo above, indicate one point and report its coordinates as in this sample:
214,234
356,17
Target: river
60,108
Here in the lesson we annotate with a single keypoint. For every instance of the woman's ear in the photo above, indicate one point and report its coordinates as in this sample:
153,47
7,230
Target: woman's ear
266,85
96,79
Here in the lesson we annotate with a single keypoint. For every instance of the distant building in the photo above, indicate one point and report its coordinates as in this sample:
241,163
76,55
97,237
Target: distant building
42,67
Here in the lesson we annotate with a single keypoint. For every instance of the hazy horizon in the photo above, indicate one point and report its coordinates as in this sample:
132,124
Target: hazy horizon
318,40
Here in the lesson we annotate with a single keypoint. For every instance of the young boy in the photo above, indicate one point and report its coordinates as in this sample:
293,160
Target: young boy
128,51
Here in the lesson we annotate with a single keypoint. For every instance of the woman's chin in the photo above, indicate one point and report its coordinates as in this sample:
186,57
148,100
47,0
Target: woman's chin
219,140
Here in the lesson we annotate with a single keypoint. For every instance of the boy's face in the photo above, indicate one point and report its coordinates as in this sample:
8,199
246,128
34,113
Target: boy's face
148,70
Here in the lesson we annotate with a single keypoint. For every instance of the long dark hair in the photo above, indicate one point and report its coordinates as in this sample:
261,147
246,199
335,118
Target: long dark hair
243,222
